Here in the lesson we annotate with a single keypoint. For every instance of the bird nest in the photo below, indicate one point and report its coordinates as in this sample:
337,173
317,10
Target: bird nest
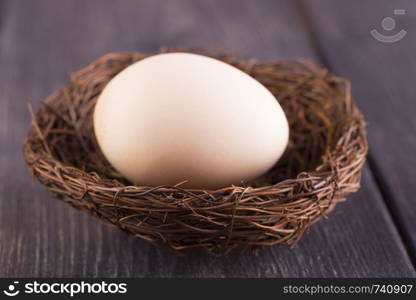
321,165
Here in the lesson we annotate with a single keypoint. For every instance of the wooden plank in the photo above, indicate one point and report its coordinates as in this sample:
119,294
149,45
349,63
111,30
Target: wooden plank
39,236
383,76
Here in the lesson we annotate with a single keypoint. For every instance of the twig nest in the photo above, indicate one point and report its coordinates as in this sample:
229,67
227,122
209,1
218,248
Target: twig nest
321,165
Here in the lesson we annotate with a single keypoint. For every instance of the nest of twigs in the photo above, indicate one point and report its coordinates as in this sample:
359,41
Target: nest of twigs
321,165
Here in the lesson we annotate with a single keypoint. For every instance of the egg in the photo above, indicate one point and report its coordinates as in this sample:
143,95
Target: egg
182,118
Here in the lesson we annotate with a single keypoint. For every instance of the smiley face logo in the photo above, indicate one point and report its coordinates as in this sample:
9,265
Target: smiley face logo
11,290
389,24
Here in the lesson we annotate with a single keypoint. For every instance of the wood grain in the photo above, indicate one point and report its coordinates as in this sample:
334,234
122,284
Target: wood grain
39,236
383,76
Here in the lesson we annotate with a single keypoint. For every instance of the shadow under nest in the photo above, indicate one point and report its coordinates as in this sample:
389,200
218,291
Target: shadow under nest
321,165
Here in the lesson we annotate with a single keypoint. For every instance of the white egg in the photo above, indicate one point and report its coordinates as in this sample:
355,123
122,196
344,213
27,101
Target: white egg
180,117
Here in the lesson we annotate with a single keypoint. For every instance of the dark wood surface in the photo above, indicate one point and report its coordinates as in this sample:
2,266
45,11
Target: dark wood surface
383,77
372,234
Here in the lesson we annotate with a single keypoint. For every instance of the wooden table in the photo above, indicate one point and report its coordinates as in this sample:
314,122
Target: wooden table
372,234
